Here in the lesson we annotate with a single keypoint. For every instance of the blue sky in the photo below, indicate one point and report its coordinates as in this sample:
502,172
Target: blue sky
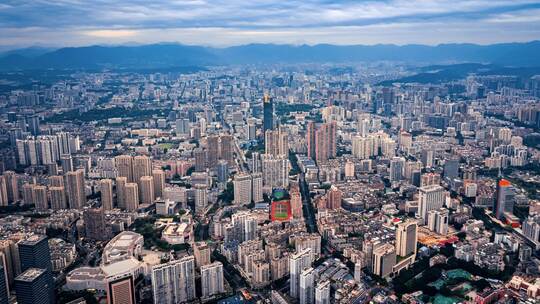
232,22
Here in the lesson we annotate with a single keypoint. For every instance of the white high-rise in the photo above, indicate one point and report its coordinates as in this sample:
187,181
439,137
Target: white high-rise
430,198
297,263
307,282
212,279
406,238
174,282
322,292
242,189
257,185
106,190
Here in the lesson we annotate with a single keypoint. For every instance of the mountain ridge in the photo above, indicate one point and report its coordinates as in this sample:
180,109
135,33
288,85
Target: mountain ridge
163,55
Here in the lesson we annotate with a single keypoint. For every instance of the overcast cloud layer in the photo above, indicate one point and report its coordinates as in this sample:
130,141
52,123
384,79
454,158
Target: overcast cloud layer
232,22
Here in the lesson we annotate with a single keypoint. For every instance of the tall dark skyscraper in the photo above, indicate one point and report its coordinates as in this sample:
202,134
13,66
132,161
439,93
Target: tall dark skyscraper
34,252
268,114
35,286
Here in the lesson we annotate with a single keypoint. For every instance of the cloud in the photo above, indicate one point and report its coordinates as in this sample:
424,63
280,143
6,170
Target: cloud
227,22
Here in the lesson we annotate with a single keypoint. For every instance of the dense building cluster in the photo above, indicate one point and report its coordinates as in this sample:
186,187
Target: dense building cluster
285,184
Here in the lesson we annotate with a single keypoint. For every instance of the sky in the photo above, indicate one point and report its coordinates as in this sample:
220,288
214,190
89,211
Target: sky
220,23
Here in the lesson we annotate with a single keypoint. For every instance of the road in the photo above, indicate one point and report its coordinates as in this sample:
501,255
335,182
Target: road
309,211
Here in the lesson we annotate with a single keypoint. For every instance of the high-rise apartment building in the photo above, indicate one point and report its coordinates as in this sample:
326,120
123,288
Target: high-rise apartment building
159,182
276,142
131,196
212,279
174,282
297,263
106,190
39,196
257,187
430,198
142,166
75,189
275,170
94,224
384,259
121,182
322,292
307,286
124,165
406,238
242,189
437,220
12,186
322,141
146,189
201,198
202,253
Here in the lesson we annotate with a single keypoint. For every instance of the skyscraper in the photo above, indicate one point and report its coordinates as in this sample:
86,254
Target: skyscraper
174,282
12,186
121,182
142,166
384,259
322,292
307,283
437,221
131,196
297,263
430,198
275,171
406,238
146,189
268,114
242,189
4,201
124,165
94,224
397,165
34,252
159,182
40,197
276,142
222,171
226,148
35,286
212,279
257,185
321,141
505,198
296,202
202,254
106,189
212,151
451,168
201,198
75,189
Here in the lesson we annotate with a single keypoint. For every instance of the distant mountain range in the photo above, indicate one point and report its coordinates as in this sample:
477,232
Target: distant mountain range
177,55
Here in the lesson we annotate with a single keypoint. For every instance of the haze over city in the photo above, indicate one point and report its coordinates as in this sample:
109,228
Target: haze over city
269,152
